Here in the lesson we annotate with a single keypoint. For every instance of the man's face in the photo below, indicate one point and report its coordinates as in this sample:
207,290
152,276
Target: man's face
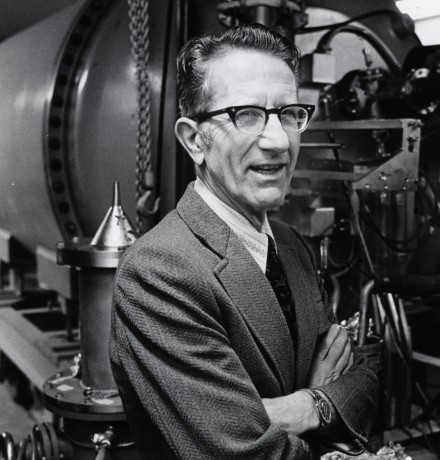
249,172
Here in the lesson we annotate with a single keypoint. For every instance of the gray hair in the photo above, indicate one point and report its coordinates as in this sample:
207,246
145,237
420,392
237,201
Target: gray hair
197,53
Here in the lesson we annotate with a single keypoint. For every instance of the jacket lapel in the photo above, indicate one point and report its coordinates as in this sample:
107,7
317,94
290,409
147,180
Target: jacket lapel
246,285
251,292
305,310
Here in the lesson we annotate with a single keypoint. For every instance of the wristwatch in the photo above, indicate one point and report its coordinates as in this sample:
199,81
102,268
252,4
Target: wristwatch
322,406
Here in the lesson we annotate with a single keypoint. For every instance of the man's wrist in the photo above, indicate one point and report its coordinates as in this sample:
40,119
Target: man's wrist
322,407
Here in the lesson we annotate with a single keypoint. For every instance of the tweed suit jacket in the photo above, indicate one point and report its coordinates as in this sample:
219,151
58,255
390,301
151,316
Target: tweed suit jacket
198,338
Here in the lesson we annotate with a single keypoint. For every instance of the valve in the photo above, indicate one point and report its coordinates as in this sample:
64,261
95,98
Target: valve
104,443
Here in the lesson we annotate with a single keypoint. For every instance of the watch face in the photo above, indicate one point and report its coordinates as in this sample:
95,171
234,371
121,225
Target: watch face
325,411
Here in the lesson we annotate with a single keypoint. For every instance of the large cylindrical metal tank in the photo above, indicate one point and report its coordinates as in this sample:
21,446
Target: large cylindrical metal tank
68,119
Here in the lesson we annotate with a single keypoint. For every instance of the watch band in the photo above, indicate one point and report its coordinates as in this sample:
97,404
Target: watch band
322,407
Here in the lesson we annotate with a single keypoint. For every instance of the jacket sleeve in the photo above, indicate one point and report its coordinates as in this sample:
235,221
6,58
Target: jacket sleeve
168,347
354,395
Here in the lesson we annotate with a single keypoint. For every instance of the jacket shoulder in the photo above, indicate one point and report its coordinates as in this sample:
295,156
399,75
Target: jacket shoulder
170,231
287,235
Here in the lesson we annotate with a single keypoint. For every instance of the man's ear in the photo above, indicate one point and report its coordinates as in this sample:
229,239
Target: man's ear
189,136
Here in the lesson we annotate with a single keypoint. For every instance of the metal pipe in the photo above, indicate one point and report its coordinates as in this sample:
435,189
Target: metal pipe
95,291
363,310
321,145
335,297
265,15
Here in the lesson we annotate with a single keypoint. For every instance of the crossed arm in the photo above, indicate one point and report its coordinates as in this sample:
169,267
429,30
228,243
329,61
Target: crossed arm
296,413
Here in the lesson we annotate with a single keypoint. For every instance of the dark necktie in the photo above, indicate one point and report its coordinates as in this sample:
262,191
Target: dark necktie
277,278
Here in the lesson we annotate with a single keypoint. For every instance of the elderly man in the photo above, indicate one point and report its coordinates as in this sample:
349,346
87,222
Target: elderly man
222,340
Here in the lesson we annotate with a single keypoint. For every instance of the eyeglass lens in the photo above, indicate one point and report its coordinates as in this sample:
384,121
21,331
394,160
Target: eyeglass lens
252,120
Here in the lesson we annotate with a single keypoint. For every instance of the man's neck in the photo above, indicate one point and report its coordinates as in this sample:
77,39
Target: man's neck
257,219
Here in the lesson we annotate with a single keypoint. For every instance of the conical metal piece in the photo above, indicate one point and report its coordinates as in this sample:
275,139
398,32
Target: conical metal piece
115,230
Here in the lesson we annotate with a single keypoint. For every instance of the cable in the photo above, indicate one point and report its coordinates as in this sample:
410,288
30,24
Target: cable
309,30
347,194
392,244
324,45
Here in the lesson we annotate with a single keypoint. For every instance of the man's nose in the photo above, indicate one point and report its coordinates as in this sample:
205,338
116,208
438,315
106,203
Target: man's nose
274,137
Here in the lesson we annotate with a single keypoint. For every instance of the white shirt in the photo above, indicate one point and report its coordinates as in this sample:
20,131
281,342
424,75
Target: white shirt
255,242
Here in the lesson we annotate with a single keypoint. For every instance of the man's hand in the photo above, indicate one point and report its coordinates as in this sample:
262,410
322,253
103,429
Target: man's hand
333,357
295,413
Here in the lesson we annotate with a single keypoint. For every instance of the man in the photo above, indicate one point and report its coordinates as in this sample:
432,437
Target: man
211,359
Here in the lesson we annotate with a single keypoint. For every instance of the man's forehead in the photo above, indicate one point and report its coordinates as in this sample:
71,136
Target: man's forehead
237,67
243,60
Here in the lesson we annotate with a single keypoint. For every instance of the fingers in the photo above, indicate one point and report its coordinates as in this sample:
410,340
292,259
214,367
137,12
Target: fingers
334,357
339,344
340,352
350,362
343,363
327,341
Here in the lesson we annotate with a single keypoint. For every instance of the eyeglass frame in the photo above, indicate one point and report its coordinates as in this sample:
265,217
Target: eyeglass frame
232,111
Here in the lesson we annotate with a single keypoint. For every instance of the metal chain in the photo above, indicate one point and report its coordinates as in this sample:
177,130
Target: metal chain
139,37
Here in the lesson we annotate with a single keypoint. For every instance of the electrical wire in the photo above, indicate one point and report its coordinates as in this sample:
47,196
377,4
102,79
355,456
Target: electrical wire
393,244
342,264
346,263
309,30
354,218
324,45
416,236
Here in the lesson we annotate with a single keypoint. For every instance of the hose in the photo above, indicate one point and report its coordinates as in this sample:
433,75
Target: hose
363,312
324,45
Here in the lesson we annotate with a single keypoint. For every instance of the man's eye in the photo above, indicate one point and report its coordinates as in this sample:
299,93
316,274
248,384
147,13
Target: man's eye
288,114
248,116
291,115
294,117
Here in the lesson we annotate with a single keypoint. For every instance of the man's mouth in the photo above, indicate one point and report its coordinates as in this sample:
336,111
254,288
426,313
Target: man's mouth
268,169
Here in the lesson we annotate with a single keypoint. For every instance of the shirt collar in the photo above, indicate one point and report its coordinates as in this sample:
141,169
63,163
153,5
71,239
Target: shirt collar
254,241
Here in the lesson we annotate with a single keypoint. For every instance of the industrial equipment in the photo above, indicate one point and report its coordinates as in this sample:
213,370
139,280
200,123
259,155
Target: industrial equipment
89,99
